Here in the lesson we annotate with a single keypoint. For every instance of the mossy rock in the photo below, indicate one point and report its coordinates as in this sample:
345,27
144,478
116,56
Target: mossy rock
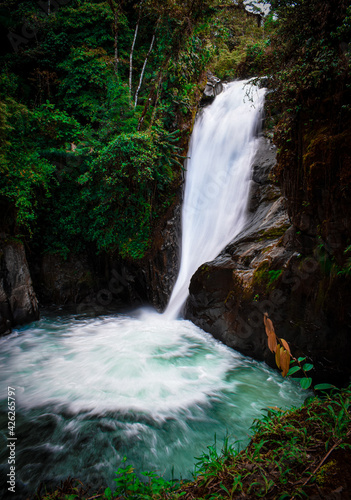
264,277
273,233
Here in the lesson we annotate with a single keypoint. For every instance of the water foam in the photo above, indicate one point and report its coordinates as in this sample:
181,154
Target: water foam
89,391
147,364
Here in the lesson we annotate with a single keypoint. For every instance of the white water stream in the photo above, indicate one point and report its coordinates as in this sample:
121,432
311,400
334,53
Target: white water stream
217,180
158,390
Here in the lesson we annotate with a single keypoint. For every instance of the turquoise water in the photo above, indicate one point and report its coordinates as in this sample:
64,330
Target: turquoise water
92,390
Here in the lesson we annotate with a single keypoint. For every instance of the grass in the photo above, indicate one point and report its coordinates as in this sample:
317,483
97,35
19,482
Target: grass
294,454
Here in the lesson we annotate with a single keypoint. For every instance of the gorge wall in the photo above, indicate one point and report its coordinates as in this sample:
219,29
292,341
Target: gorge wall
18,302
276,265
289,261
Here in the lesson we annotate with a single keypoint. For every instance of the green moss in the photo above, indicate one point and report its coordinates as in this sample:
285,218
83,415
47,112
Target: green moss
273,276
264,277
86,278
260,273
325,472
205,271
274,232
267,249
13,240
230,295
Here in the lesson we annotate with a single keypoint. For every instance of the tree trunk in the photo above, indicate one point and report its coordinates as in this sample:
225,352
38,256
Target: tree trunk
115,12
116,42
143,70
132,49
158,87
154,94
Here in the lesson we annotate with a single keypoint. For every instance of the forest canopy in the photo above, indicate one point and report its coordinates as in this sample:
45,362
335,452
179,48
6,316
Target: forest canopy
97,101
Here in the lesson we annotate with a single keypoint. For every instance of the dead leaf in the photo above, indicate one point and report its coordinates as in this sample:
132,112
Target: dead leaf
284,361
272,343
277,356
268,325
286,345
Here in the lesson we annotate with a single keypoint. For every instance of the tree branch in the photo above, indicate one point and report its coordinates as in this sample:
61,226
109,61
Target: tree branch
144,66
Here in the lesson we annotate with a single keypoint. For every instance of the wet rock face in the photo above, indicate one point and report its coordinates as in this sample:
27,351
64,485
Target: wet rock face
213,87
18,303
65,281
95,284
219,289
273,267
156,275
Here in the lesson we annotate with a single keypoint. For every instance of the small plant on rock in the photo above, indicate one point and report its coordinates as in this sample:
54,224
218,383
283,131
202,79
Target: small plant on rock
284,358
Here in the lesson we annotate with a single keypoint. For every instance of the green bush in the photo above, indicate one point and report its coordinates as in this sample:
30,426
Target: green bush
125,187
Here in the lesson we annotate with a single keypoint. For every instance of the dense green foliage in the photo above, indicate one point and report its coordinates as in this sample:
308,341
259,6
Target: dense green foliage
92,94
92,78
130,174
89,120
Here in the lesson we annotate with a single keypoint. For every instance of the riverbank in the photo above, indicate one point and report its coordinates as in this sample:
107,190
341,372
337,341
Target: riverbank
302,452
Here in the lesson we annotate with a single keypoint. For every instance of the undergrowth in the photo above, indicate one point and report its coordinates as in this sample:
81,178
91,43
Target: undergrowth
292,454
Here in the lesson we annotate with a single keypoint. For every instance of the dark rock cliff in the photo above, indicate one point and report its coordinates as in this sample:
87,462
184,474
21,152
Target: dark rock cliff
18,303
93,284
158,272
273,267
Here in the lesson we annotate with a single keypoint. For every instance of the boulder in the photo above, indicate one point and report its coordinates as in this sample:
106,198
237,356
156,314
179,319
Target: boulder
274,267
213,87
18,302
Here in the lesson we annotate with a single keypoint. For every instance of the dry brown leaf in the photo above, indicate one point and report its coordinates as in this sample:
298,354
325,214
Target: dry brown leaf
272,342
284,361
276,408
277,356
286,345
268,325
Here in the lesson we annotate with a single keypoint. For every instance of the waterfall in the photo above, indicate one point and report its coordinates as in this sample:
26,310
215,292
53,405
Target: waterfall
94,390
217,180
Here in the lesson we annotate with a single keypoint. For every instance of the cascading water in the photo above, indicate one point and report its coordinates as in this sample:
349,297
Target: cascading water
217,180
90,390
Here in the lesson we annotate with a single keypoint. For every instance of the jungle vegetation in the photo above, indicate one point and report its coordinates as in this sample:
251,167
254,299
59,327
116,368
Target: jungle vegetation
98,98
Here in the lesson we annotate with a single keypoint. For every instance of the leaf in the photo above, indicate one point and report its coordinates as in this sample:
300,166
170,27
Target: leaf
108,493
286,345
301,359
293,370
322,387
224,488
306,382
284,361
268,325
277,356
272,342
275,408
272,339
307,367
